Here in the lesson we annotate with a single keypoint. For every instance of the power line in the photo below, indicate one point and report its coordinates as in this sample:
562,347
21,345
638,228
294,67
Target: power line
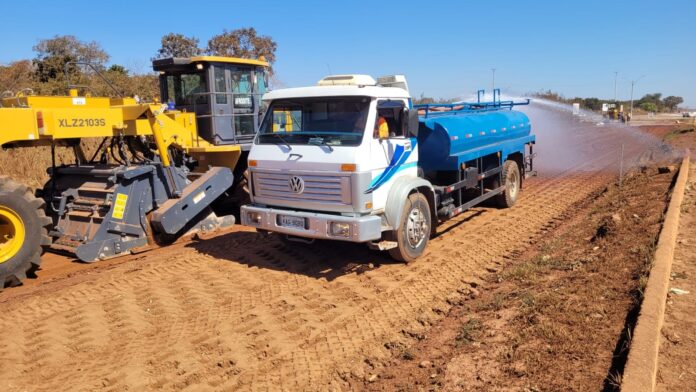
633,83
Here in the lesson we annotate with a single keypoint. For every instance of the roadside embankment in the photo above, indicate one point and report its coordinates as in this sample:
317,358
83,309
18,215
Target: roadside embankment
641,369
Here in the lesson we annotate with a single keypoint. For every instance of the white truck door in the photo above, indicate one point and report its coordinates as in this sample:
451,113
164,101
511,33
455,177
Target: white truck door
392,155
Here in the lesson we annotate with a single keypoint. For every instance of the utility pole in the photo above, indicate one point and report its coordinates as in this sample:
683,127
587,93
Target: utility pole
493,69
616,75
633,83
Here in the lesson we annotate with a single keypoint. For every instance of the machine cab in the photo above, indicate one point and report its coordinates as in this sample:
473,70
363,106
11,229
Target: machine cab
224,92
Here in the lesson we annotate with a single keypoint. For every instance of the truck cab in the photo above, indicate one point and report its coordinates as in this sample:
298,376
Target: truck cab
340,161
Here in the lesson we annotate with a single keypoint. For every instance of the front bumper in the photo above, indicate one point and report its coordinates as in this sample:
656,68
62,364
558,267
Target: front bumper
362,229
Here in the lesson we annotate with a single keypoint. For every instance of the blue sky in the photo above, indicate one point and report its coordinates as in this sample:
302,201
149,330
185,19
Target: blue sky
445,49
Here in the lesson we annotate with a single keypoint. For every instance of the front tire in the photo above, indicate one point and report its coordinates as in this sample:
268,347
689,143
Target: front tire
23,232
414,231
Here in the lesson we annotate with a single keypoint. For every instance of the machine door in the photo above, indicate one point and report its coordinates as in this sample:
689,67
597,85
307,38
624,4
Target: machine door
245,105
223,110
235,109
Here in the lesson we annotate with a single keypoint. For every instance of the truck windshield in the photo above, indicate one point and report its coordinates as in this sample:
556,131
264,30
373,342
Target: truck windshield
336,121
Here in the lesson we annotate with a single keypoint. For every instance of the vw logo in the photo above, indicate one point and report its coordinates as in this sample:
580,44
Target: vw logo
296,184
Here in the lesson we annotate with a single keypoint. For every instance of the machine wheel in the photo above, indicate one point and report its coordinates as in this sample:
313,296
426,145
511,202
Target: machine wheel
414,231
512,181
23,232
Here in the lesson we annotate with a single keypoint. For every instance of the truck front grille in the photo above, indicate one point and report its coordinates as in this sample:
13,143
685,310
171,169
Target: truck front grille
329,188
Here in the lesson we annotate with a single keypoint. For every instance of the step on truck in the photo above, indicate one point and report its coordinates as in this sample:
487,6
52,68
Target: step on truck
353,159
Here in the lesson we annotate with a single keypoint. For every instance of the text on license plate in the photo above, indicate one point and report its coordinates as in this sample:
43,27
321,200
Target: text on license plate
292,221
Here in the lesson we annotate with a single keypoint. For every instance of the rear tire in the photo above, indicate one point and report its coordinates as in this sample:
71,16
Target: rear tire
23,232
414,230
512,181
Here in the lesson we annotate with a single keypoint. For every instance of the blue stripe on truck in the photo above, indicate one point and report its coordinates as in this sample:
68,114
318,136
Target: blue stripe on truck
397,164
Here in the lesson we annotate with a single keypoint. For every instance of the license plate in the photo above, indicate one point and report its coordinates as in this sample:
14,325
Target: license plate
295,222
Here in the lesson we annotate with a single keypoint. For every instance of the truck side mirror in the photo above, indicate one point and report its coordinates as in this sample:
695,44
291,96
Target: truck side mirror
413,123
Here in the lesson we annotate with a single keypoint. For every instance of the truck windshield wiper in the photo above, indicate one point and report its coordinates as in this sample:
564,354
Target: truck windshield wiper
318,140
282,139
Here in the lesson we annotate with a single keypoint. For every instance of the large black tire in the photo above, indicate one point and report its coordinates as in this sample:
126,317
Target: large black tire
20,212
512,181
413,233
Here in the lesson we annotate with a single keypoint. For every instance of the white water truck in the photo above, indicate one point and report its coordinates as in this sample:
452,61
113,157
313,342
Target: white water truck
352,159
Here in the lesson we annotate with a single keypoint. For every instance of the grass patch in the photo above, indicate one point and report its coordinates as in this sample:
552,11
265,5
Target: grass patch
678,132
469,331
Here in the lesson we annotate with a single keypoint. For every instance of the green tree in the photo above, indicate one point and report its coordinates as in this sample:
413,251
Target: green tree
118,69
592,104
550,96
16,76
54,53
145,86
244,43
178,45
649,107
672,102
422,99
655,99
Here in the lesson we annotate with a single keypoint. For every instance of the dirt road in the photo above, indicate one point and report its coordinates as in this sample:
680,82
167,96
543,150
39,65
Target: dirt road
243,311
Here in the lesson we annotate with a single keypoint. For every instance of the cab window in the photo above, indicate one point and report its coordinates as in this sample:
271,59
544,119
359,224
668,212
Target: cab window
392,115
185,89
287,119
220,86
241,81
261,84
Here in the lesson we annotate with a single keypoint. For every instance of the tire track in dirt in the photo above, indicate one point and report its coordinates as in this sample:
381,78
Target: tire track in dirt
287,321
384,321
246,312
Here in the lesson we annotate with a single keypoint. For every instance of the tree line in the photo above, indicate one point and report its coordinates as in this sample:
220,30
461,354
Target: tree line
244,43
59,62
653,103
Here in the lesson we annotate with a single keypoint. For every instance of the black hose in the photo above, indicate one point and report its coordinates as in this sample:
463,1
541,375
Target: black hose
122,153
53,178
113,154
98,150
137,156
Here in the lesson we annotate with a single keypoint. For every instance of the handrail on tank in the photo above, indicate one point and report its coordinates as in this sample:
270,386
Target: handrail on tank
482,93
469,107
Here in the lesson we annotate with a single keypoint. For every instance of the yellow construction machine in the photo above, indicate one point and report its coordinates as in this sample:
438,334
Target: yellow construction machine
155,171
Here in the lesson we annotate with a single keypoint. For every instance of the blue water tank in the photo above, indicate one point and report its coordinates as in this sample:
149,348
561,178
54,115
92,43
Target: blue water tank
446,140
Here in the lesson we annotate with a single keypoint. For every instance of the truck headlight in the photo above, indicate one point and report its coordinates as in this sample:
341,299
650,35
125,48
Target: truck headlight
254,217
339,229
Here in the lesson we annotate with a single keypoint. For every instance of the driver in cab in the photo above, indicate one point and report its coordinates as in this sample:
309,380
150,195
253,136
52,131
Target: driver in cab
382,129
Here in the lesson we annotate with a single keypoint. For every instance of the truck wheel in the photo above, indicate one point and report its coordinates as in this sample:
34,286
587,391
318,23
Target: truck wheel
413,233
512,181
23,232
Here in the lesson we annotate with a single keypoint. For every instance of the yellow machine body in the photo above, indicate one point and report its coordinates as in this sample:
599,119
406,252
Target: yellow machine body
37,120
173,172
